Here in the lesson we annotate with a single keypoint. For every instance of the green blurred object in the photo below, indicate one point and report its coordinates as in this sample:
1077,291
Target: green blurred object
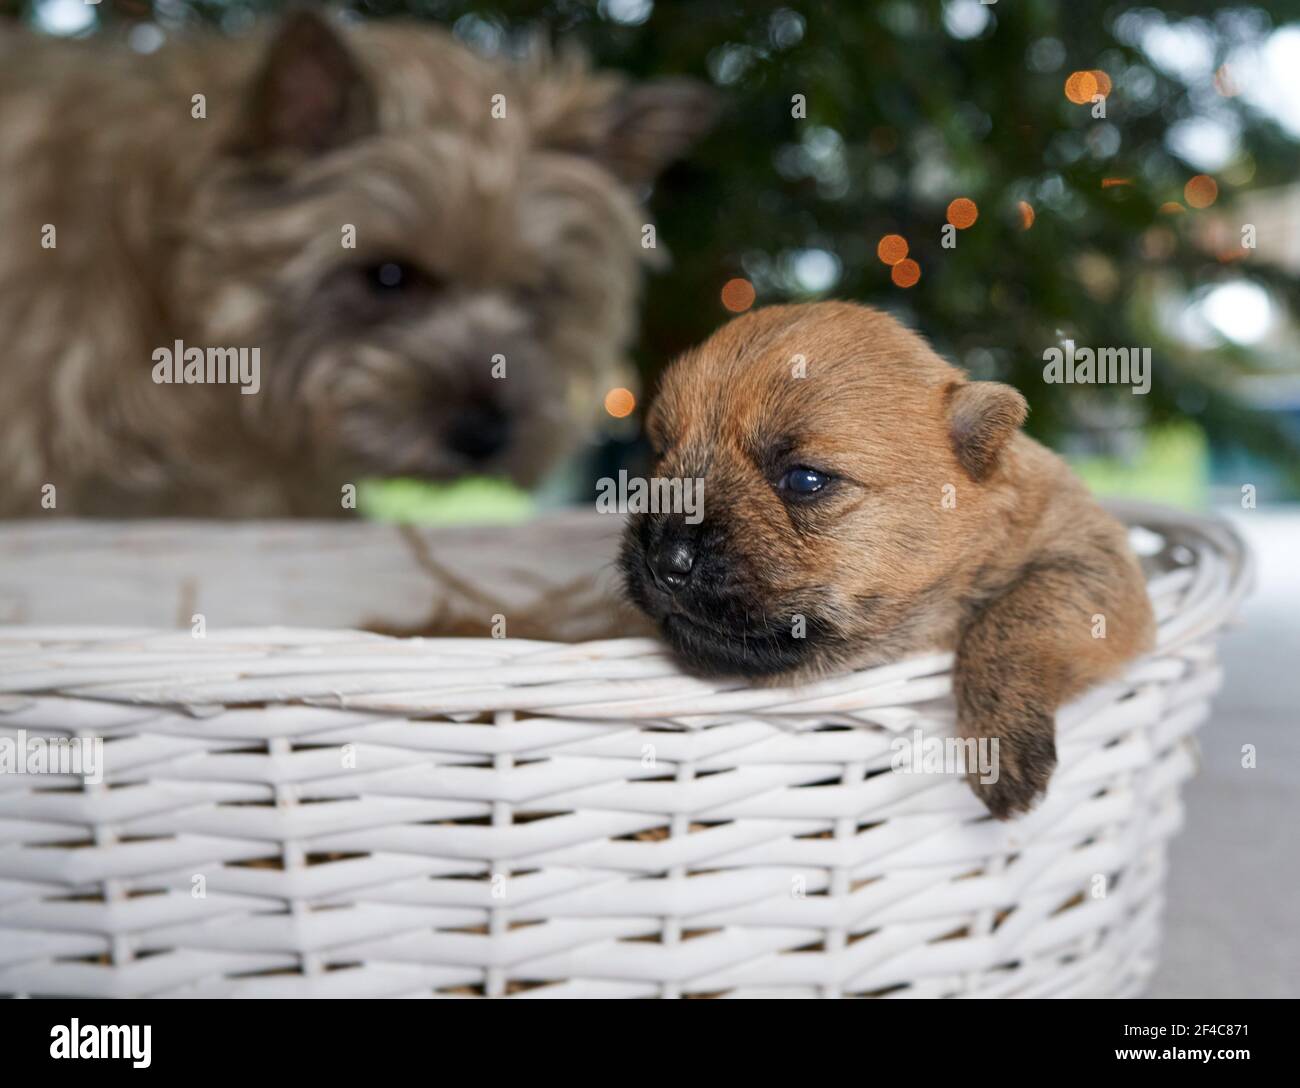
1174,466
475,499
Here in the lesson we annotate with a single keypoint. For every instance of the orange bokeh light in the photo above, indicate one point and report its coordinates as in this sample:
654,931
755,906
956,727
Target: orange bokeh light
906,273
1103,82
619,402
1171,207
892,248
962,212
1201,191
738,295
1110,183
1080,87
1026,214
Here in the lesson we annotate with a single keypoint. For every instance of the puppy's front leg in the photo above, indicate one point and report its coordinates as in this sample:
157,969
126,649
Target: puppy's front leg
1031,648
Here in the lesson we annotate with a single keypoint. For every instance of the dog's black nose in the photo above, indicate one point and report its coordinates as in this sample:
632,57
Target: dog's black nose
670,564
479,431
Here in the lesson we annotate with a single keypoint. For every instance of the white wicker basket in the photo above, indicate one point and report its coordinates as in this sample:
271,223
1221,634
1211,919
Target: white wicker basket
540,819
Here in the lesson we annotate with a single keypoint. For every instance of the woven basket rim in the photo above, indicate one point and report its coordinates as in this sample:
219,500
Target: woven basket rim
1210,531
1207,530
608,678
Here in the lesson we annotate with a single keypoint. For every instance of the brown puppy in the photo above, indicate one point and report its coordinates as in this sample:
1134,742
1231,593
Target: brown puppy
436,257
861,501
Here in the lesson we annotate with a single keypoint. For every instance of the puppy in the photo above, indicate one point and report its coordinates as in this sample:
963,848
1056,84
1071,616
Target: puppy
864,501
436,258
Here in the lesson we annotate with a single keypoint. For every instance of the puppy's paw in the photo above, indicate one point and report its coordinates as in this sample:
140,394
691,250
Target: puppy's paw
1024,761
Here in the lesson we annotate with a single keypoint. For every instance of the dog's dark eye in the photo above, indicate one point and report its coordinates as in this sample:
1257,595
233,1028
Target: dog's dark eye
395,277
803,481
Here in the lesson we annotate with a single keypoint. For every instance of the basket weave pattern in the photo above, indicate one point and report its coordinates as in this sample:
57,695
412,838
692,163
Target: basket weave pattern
370,816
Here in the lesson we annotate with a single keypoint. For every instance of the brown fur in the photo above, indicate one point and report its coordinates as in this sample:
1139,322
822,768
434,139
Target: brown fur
227,232
877,563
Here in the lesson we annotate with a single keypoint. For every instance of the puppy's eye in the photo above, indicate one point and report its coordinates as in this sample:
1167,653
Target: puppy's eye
393,278
802,481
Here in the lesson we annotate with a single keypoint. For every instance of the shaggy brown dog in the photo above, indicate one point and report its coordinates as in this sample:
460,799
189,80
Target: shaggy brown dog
436,257
862,501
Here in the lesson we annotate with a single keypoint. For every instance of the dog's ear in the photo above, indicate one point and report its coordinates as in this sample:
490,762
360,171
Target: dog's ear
982,417
650,124
308,94
633,131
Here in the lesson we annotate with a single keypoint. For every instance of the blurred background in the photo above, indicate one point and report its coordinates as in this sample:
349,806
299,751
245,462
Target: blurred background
1114,174
1165,216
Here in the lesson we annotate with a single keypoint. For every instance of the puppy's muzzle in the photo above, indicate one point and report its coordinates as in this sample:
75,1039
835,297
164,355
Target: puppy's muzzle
670,563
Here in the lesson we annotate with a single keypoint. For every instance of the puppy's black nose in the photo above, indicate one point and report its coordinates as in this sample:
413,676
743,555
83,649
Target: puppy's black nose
670,564
479,431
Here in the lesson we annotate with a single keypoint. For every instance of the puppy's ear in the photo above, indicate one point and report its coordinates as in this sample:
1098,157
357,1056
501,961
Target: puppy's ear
308,95
982,417
633,131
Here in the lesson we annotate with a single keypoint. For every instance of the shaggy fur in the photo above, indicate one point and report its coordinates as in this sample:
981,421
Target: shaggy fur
517,237
942,527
